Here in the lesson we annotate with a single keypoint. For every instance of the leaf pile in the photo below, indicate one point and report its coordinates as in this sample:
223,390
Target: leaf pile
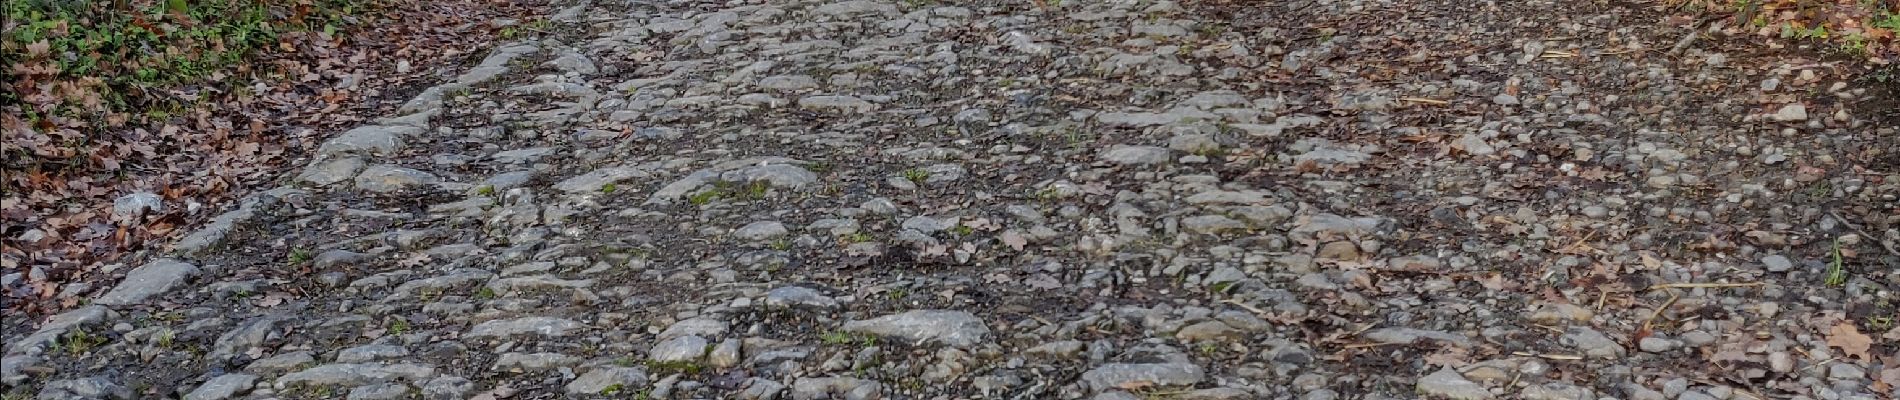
1859,29
192,100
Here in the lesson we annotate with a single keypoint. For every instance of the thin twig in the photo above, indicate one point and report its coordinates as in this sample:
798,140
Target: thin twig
1255,310
1659,310
1549,356
1870,236
1424,100
1702,285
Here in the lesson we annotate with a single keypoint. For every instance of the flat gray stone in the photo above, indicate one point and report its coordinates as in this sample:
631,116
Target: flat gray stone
1112,376
836,103
222,387
329,172
85,388
356,374
1413,335
797,296
372,352
389,178
698,326
1592,343
788,82
1792,113
761,230
1777,263
447,388
600,378
137,204
537,326
535,361
151,279
380,391
596,181
1447,383
953,328
1136,155
243,338
687,348
373,140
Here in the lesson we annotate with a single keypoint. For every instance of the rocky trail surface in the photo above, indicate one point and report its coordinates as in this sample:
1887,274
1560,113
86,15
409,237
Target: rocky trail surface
1079,199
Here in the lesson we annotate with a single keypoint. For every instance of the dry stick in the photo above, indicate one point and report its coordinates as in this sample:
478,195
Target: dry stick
1548,356
1659,310
1424,100
1702,285
1870,236
1255,310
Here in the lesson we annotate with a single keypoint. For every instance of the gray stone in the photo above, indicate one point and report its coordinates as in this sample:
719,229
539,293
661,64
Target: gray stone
137,204
725,354
1792,113
699,326
356,374
222,387
779,175
796,296
953,328
333,259
597,180
1193,143
761,230
1209,331
1556,391
519,156
835,388
1658,345
879,206
252,334
687,348
1412,336
1136,155
761,389
389,178
380,391
1112,376
373,352
281,362
55,327
536,326
373,140
1592,343
788,82
151,279
600,378
571,61
1211,224
1447,383
1777,263
836,103
447,388
329,172
85,388
535,361
926,224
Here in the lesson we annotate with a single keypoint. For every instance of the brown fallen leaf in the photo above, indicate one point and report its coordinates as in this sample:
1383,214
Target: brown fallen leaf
1850,340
